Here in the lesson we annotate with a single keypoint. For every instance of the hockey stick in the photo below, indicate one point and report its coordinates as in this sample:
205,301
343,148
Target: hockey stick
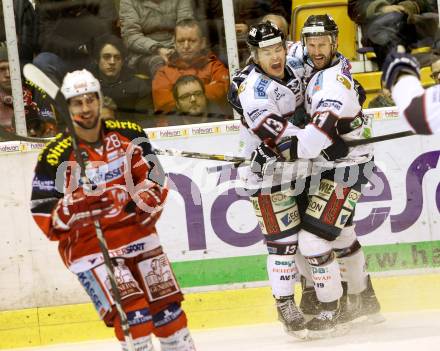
238,161
39,78
199,155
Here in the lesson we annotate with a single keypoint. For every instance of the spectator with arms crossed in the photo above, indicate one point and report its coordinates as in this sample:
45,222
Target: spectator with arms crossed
190,58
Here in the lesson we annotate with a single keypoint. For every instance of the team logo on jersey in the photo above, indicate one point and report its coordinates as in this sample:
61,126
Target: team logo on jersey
345,82
241,88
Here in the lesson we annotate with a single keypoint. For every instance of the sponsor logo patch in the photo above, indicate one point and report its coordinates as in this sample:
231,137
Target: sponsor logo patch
139,317
260,88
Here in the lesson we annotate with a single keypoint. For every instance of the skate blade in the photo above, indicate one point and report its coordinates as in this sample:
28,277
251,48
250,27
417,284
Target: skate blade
375,318
299,334
339,330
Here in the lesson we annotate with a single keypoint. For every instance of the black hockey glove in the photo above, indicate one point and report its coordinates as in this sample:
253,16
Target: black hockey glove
336,150
396,64
263,160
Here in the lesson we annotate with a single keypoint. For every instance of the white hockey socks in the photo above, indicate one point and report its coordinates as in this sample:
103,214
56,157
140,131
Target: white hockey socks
353,271
181,340
143,343
282,273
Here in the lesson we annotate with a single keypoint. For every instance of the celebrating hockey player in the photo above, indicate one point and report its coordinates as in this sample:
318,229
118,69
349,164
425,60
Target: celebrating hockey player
420,108
127,196
266,93
327,238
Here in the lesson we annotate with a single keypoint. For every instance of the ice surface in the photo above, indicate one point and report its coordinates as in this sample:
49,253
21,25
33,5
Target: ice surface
418,331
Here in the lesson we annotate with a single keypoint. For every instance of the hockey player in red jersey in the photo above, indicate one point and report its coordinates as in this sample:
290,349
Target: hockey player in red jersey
419,108
128,193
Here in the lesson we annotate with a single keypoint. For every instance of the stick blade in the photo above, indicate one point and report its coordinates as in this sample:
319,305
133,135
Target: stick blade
39,78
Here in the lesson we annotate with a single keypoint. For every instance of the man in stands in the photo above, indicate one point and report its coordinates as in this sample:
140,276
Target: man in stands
191,58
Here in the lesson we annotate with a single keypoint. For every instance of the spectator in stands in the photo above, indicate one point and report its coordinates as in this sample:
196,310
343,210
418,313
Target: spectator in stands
147,28
129,92
189,94
40,120
246,13
388,23
67,29
435,68
191,58
279,21
25,27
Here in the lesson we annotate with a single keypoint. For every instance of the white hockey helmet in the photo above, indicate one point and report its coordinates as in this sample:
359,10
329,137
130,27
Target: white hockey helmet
79,83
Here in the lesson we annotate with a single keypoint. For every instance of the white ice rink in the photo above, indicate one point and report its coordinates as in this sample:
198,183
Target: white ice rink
416,332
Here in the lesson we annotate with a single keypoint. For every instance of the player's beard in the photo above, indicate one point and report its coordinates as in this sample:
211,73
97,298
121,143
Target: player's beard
87,124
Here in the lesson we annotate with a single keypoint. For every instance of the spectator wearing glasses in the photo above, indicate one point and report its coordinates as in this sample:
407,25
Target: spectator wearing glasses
191,58
189,94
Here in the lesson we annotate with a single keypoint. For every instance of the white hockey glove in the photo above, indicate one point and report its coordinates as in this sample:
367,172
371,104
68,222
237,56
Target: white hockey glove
396,64
263,160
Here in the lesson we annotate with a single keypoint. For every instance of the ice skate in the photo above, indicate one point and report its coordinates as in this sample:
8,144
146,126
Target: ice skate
291,317
309,305
363,307
325,324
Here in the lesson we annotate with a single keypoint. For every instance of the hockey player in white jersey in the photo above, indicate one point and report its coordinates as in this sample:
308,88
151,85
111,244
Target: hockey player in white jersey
327,238
267,93
419,108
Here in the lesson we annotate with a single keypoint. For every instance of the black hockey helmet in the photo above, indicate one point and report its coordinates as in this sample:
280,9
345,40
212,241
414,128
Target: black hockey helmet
264,34
316,25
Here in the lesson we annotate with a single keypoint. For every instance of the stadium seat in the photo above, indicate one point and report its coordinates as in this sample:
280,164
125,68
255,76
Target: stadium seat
301,9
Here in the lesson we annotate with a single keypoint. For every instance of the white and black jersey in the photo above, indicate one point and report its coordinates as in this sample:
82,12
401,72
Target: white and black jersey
332,103
420,108
266,104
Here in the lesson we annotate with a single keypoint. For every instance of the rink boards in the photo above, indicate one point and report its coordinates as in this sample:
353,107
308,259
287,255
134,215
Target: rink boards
210,234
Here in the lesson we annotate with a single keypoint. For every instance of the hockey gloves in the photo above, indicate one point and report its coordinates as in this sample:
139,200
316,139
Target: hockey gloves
149,203
78,209
263,160
336,150
396,64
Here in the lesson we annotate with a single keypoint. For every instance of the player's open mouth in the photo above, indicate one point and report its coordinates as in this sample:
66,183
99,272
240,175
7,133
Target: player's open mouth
276,66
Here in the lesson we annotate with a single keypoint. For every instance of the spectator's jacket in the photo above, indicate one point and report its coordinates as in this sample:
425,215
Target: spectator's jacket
207,67
111,167
26,28
67,25
146,24
127,91
360,11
